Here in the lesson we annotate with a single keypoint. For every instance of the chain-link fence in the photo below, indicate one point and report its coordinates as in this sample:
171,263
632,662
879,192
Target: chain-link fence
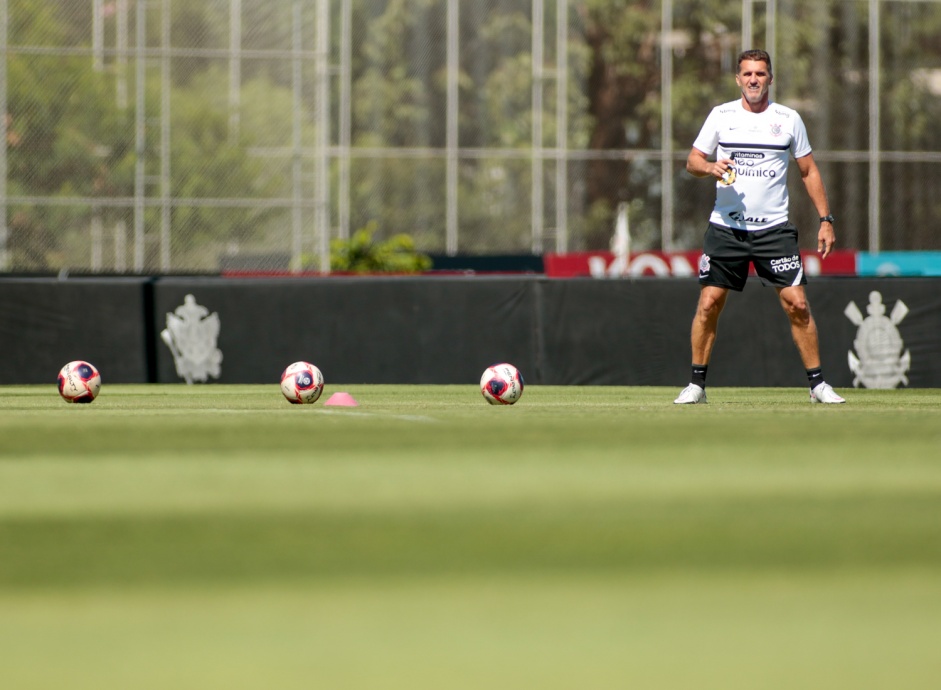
169,136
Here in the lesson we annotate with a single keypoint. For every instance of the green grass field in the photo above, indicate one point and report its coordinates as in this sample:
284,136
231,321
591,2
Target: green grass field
588,537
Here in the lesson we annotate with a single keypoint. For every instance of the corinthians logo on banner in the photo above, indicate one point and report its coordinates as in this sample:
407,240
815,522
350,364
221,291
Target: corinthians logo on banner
878,361
191,335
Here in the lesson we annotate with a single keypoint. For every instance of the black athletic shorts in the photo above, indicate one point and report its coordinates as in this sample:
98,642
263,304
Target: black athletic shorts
727,254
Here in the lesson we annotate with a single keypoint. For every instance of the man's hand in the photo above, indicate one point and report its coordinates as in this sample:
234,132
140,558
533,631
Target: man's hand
698,165
826,238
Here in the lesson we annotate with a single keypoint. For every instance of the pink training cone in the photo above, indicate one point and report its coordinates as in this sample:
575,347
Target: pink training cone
341,400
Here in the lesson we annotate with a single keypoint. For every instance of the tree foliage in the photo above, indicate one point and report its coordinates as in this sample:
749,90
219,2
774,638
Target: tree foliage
363,254
69,137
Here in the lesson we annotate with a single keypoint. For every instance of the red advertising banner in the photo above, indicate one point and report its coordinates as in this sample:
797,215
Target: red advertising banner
676,264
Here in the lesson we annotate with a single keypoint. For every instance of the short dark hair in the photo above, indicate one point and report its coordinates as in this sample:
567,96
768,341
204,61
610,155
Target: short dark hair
757,55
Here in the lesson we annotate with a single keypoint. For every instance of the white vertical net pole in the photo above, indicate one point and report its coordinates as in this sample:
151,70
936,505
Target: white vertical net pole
235,68
747,25
297,219
875,122
120,247
666,125
561,136
4,229
96,234
537,152
140,135
771,28
165,136
345,133
121,43
771,36
322,117
451,143
97,35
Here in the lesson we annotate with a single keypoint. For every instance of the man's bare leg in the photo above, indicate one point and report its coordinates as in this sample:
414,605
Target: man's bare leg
804,331
706,322
702,338
803,327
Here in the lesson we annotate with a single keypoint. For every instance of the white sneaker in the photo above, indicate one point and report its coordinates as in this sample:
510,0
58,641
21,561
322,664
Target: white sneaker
824,393
692,395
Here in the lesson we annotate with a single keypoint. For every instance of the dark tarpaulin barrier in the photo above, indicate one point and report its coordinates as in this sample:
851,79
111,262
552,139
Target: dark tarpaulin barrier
488,263
617,332
361,330
884,331
46,323
637,333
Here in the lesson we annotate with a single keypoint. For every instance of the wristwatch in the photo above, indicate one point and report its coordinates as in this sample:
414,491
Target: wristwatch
827,218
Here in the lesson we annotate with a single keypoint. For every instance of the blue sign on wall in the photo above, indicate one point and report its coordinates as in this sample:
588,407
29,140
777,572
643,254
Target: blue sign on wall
899,264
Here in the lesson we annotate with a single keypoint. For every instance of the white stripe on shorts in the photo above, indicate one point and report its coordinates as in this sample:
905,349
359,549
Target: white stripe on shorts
797,279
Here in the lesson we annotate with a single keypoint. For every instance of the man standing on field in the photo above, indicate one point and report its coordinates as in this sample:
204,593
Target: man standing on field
753,139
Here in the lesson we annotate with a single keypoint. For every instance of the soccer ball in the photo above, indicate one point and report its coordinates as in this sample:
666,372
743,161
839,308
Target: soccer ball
501,384
79,382
302,383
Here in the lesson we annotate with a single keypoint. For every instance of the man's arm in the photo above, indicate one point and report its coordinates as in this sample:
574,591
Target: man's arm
698,165
810,174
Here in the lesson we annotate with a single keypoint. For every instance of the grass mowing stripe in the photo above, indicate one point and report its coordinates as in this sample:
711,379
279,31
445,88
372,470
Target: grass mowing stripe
728,631
190,484
154,484
899,531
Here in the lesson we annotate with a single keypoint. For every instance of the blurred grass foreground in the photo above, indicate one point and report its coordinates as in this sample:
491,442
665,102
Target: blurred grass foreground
215,536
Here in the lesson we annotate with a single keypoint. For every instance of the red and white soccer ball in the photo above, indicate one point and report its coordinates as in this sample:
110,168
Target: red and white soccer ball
79,382
501,384
302,383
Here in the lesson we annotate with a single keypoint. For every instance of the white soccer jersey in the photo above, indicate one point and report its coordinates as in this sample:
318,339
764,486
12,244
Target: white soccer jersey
760,144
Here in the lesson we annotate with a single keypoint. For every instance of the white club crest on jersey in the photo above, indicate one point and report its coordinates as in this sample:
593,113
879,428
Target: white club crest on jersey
878,361
191,334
